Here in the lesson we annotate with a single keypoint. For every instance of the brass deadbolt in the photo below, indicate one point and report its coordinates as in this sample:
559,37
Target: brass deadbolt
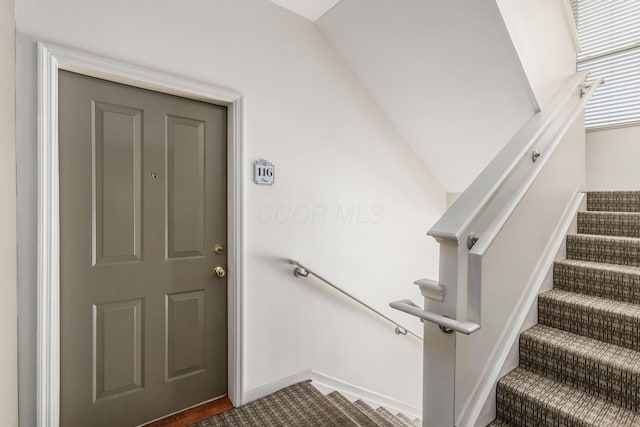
218,249
219,271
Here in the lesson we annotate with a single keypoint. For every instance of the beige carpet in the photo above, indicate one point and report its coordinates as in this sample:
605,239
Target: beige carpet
580,366
302,405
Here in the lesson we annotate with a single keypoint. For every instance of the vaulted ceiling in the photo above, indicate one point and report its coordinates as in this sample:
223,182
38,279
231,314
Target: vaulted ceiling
446,73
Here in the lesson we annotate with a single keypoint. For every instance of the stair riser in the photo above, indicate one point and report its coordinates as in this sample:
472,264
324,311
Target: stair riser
351,410
622,225
613,201
516,409
617,329
408,421
618,286
371,413
391,418
589,248
619,386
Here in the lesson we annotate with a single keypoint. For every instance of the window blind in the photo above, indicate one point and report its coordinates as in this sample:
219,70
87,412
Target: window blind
609,32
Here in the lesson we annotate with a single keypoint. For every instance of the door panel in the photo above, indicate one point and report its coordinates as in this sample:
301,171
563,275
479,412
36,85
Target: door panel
117,164
185,187
117,340
185,334
142,204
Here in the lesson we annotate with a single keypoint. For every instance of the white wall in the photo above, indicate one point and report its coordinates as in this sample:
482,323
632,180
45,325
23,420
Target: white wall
541,34
8,280
612,159
445,72
351,199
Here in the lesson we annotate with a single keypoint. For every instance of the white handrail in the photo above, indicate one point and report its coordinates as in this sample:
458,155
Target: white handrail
477,252
456,225
302,271
499,221
456,222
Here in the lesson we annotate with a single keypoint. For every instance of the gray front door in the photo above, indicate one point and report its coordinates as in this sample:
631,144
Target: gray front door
142,207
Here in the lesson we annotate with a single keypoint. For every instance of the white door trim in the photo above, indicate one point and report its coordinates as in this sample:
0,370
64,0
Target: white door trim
52,58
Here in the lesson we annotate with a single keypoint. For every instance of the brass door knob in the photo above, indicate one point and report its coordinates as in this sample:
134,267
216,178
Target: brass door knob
219,271
218,249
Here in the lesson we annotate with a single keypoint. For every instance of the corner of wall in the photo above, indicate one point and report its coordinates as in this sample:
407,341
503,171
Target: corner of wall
526,80
545,40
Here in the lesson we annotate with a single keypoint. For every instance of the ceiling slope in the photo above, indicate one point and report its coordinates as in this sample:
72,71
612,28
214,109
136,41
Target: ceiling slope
310,9
445,72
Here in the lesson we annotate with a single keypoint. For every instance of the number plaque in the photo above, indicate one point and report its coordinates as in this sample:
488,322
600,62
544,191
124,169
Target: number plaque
263,172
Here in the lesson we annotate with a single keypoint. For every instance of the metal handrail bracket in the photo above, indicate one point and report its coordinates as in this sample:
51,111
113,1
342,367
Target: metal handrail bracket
445,323
302,271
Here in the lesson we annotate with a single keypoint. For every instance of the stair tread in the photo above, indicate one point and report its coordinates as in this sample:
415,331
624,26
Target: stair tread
604,319
605,249
556,403
609,223
616,268
601,369
596,303
604,237
603,213
391,418
351,410
612,281
591,349
371,413
617,201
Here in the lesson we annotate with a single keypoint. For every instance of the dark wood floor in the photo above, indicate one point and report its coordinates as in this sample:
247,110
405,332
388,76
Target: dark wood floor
193,415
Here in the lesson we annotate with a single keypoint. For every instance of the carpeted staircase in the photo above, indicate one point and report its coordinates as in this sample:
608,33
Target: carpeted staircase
580,365
302,405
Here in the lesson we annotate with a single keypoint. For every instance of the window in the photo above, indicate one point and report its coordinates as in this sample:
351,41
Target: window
609,32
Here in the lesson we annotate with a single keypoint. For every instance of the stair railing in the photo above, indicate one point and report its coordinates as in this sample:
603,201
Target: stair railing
303,272
491,242
454,228
477,251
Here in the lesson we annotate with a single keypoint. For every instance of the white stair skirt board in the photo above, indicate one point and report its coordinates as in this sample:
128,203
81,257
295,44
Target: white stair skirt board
327,384
473,411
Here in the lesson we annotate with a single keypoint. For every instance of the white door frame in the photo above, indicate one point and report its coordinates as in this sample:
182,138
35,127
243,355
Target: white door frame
52,58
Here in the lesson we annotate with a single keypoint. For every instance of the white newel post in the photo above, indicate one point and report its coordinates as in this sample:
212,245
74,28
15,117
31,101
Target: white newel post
440,348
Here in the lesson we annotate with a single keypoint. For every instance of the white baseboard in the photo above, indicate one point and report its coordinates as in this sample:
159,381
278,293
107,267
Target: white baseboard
272,387
326,384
